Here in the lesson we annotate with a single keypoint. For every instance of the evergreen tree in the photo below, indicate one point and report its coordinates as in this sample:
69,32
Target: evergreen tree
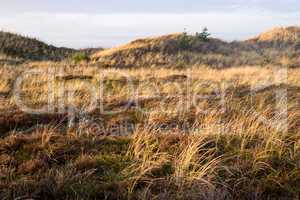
204,35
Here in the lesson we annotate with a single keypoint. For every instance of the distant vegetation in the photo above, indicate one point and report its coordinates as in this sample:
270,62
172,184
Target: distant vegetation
204,35
80,57
298,44
186,41
18,46
188,50
176,50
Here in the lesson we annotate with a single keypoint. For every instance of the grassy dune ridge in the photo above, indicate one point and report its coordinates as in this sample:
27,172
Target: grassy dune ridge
279,46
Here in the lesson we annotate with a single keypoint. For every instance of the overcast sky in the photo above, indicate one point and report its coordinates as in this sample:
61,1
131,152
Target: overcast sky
91,23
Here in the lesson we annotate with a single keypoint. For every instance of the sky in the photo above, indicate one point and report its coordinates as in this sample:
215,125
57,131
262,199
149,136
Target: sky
108,23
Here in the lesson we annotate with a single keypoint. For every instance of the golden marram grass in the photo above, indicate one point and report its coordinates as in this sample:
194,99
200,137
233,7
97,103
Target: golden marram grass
221,154
194,130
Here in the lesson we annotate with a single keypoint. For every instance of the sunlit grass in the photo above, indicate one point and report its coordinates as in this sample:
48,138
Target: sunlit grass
176,150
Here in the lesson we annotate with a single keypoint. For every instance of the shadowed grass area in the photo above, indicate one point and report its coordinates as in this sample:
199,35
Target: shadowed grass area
200,165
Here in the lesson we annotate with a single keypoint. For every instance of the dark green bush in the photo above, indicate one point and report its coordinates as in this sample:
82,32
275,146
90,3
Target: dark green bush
298,45
185,41
80,57
204,35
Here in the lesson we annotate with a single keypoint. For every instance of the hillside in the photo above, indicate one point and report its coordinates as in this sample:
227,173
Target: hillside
277,46
17,46
289,34
164,50
268,48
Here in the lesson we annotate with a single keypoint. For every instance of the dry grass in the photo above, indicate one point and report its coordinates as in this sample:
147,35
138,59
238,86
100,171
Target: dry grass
174,150
138,44
280,34
274,47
